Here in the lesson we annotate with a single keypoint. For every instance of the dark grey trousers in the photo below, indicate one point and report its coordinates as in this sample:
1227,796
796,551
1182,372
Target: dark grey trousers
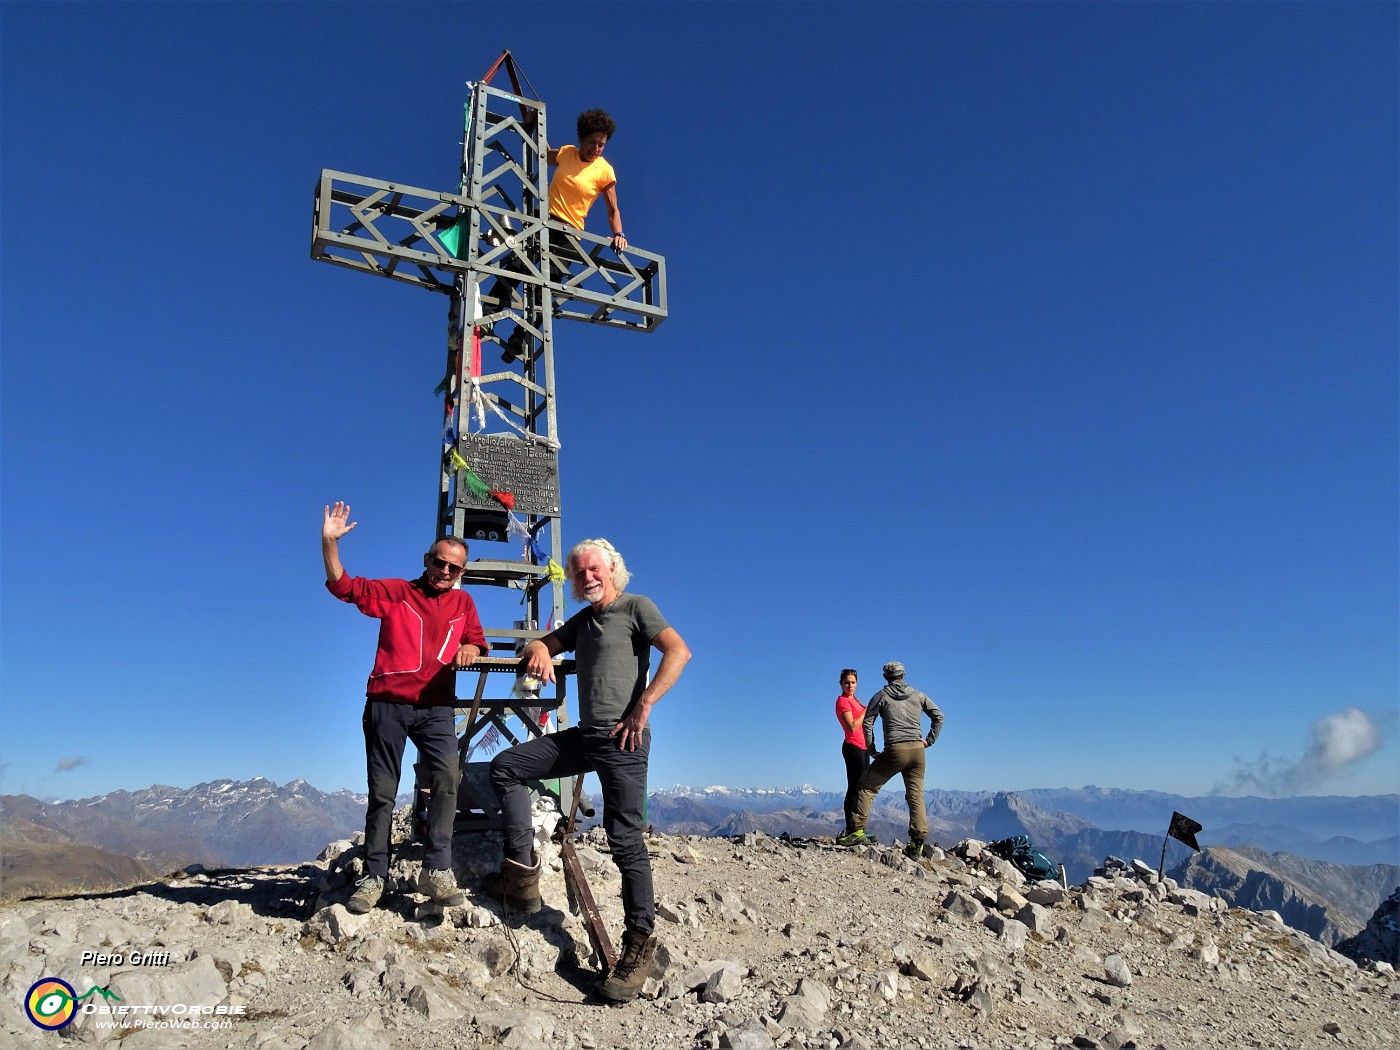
623,775
433,731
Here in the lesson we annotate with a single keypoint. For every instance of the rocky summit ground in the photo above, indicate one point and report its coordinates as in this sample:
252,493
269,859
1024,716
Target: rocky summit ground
766,943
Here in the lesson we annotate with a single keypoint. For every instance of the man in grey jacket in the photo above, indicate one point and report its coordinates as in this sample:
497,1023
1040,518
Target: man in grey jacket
902,708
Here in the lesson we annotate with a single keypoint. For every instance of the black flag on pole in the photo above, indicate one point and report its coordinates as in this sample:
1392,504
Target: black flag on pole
1184,829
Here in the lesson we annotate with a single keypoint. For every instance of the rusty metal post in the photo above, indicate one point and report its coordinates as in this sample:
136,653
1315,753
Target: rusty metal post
580,894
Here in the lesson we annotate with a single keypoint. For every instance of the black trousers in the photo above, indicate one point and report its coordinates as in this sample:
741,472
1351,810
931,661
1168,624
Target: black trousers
433,731
857,760
623,776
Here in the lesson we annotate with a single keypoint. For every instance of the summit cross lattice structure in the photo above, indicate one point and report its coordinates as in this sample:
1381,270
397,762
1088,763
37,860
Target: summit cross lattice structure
493,249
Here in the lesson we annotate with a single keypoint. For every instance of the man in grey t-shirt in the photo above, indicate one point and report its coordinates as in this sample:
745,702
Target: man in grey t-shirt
612,639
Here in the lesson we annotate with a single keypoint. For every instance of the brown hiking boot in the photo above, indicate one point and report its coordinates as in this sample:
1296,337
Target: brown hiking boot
632,970
517,886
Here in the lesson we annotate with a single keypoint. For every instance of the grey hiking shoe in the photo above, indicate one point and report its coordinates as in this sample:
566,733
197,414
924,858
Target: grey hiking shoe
915,849
367,893
441,885
853,838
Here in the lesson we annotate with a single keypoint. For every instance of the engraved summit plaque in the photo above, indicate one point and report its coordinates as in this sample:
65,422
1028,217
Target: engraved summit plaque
527,471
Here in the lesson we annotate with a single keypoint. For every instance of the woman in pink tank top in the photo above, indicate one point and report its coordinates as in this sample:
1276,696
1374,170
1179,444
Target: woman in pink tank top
849,712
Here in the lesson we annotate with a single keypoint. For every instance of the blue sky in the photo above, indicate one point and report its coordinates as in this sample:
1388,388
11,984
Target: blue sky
1050,349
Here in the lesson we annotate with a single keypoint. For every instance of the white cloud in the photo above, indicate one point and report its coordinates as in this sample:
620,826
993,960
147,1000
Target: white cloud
1337,741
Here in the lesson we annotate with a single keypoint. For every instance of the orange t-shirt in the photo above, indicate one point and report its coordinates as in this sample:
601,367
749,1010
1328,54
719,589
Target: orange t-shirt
574,185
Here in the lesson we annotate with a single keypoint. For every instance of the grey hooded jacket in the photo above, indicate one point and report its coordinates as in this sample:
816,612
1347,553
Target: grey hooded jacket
902,707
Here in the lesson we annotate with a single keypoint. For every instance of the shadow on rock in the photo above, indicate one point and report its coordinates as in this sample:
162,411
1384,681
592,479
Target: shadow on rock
272,892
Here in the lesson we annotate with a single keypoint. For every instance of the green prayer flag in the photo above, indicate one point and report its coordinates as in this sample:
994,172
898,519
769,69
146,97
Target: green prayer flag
475,485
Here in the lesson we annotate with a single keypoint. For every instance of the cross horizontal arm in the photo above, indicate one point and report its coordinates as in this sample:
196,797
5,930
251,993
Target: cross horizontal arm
396,231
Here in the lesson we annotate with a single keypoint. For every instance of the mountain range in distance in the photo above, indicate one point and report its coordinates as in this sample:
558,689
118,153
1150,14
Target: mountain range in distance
217,824
1323,862
1339,829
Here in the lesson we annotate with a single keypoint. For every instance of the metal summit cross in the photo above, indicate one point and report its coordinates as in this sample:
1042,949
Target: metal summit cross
499,474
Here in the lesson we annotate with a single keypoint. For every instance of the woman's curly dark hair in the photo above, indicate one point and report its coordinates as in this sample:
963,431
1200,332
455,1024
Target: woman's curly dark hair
591,121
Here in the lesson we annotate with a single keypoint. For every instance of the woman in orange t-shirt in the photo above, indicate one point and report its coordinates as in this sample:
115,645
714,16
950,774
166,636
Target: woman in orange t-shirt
580,176
849,712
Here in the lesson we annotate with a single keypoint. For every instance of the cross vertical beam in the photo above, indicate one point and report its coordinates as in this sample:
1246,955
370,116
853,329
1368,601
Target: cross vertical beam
507,268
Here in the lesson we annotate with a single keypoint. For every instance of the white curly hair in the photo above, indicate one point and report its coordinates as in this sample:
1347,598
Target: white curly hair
619,567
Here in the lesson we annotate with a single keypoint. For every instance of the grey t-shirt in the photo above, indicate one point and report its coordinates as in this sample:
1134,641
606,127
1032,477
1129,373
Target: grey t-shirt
614,653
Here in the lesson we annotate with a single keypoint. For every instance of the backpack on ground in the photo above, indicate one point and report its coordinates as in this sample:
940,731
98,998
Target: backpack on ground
1029,861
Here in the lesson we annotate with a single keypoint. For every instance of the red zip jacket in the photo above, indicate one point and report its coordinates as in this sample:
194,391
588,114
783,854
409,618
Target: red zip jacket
419,634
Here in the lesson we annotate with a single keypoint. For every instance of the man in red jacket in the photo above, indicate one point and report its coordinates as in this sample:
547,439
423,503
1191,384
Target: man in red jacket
427,629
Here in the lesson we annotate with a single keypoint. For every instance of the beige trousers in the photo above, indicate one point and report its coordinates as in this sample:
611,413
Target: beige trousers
908,761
